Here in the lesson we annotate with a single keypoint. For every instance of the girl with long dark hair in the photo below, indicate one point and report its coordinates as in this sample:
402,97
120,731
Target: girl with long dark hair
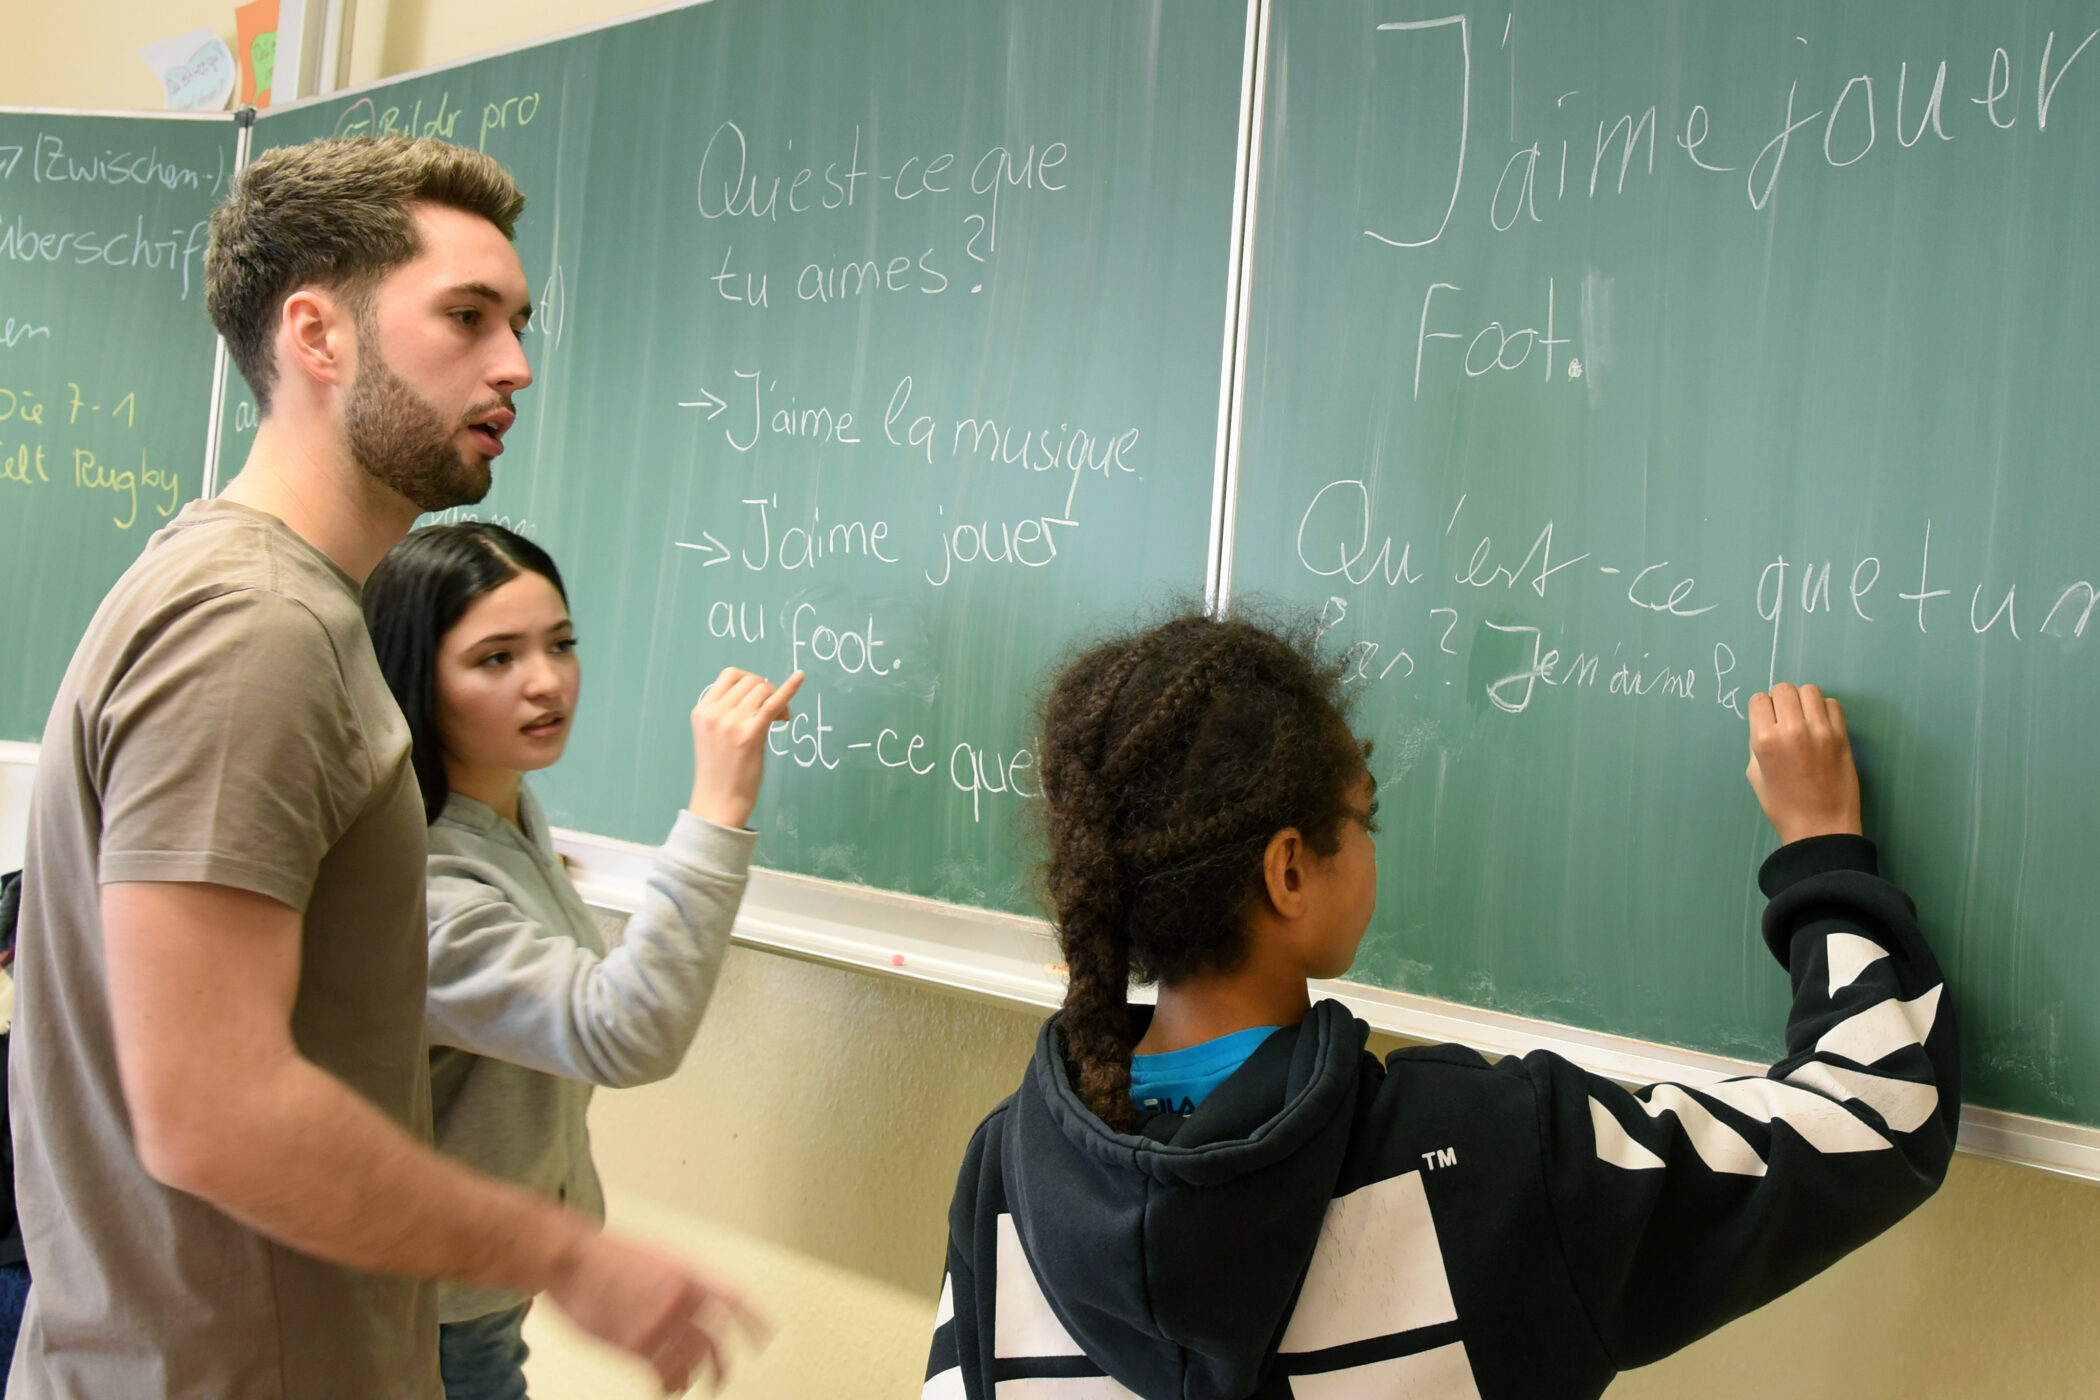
1227,1197
527,1010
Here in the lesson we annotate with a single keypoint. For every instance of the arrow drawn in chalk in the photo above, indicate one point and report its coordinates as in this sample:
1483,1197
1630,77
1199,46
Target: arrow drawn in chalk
713,405
712,543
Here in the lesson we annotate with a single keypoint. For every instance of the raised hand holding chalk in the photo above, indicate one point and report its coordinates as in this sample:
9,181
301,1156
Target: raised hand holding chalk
730,724
1801,763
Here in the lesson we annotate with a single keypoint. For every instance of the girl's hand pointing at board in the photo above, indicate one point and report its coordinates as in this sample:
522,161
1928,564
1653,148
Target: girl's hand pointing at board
730,724
1801,764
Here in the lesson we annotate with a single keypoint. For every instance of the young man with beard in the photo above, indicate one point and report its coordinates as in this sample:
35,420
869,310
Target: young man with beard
221,1099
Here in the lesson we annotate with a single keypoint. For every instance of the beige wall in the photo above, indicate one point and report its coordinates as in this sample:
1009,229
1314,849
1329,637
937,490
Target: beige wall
824,1111
86,54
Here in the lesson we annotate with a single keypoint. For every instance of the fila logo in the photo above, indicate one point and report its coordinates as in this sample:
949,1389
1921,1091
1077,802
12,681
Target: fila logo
1441,1157
1183,1106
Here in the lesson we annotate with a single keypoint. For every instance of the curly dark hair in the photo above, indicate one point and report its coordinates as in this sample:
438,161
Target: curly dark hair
1170,758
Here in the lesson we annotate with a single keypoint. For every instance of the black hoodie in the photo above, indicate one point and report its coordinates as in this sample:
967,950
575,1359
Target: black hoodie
1325,1226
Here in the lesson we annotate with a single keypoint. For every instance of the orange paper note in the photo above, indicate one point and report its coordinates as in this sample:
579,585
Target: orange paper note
256,25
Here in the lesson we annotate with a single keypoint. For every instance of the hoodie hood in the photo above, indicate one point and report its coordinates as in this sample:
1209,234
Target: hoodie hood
1173,1255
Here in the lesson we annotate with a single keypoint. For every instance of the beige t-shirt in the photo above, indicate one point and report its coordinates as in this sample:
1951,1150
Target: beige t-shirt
223,721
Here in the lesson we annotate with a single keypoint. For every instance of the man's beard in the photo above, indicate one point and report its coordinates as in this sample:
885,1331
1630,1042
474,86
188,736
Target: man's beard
403,443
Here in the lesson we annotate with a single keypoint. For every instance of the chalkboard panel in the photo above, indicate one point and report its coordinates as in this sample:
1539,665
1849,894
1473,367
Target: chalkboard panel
105,366
881,341
1607,362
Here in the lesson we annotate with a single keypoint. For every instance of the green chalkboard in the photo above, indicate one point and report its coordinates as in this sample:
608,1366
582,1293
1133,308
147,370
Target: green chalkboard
105,366
885,341
1607,361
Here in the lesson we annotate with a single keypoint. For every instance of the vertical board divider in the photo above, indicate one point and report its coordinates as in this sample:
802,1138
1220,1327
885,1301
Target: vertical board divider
1225,519
244,129
1232,375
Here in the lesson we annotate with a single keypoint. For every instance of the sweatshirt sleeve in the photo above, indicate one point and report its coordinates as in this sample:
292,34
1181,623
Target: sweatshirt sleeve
1681,1207
959,1364
946,1376
508,987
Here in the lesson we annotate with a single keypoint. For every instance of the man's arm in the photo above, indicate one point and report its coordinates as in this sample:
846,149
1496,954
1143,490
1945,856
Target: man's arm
202,980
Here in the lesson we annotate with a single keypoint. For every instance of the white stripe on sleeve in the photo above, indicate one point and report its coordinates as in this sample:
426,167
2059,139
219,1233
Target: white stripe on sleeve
1903,1104
1718,1145
1822,1122
1882,1029
1849,955
1615,1146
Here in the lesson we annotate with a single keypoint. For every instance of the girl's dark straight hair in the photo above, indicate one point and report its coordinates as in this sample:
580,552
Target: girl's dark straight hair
1170,759
418,593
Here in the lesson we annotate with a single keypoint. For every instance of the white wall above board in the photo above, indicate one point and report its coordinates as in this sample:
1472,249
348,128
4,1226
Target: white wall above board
1002,958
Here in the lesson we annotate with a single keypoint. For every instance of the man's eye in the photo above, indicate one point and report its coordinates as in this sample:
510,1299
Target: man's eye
466,317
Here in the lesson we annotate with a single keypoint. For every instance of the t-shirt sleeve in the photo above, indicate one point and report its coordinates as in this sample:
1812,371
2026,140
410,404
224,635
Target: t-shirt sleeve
228,752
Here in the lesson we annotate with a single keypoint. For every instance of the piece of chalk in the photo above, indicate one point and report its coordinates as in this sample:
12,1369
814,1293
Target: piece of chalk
896,960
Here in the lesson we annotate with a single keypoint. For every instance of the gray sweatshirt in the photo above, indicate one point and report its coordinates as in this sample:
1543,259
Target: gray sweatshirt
528,1011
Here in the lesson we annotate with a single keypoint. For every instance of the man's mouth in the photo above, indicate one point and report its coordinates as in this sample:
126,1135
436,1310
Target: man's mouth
487,431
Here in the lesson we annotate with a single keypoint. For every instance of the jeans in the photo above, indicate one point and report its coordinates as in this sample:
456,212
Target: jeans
14,1296
484,1359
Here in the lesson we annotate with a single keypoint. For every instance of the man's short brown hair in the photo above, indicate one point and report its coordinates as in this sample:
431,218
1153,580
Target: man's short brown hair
336,214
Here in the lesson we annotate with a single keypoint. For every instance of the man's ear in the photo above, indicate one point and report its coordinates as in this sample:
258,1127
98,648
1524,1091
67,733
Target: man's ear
317,337
1283,872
